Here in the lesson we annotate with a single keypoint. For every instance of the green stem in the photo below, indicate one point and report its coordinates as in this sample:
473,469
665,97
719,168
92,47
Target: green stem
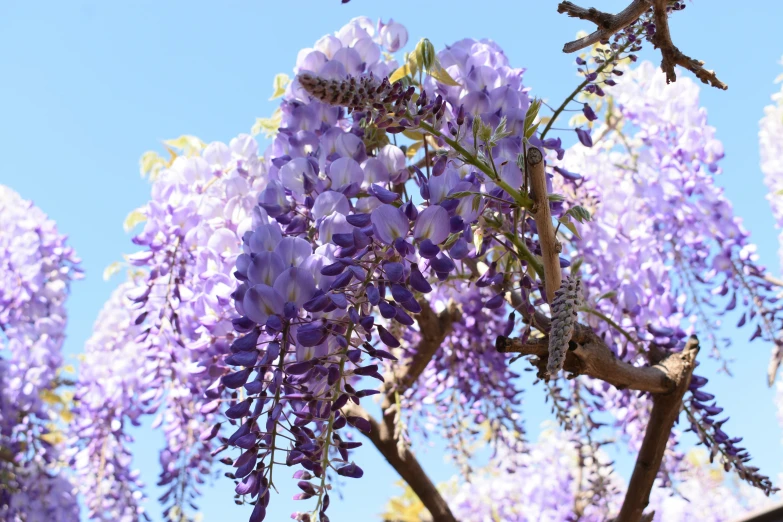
330,425
526,254
613,324
281,364
522,200
582,85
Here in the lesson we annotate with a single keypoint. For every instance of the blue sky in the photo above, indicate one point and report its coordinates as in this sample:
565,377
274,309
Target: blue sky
89,86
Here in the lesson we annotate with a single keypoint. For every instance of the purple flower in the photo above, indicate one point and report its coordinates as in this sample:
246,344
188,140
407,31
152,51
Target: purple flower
261,301
389,223
584,137
433,224
295,285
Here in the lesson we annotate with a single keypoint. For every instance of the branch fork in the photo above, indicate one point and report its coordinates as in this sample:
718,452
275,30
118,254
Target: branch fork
609,24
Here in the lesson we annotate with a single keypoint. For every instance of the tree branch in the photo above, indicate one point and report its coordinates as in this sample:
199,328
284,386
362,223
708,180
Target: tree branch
589,356
434,328
609,24
406,464
672,56
666,409
7,455
543,218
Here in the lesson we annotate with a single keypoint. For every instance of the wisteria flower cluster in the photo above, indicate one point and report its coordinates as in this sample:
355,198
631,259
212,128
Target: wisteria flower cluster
36,269
108,402
272,294
771,149
521,493
173,319
664,246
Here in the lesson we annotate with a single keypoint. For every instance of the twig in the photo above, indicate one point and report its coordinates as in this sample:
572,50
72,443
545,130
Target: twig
406,464
665,410
608,24
673,56
433,328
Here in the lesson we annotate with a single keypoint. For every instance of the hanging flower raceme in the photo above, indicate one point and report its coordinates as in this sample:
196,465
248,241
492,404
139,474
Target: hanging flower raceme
771,145
664,245
181,310
513,488
331,274
36,269
108,401
467,379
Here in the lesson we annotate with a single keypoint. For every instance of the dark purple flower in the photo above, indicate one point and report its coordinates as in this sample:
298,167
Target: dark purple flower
584,137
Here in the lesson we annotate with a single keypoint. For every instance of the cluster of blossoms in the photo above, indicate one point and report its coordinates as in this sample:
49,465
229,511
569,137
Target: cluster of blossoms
180,323
771,148
275,286
664,246
107,400
36,269
512,488
467,378
339,233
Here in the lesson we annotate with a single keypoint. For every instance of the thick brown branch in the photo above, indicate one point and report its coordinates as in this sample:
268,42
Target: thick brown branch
665,410
672,56
434,328
590,356
6,455
608,24
543,218
406,464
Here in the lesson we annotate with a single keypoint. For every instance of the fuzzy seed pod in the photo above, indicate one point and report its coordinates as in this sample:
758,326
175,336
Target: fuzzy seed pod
568,298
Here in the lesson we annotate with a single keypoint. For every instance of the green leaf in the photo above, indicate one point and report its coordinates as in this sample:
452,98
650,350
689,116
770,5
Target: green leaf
476,203
579,213
189,145
268,126
415,136
607,295
570,226
500,131
451,240
576,265
425,54
279,84
476,127
532,130
133,219
556,197
111,270
530,117
440,74
413,149
460,194
409,68
478,238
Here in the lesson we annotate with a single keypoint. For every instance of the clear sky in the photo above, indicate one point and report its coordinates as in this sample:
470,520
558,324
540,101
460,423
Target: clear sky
87,87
